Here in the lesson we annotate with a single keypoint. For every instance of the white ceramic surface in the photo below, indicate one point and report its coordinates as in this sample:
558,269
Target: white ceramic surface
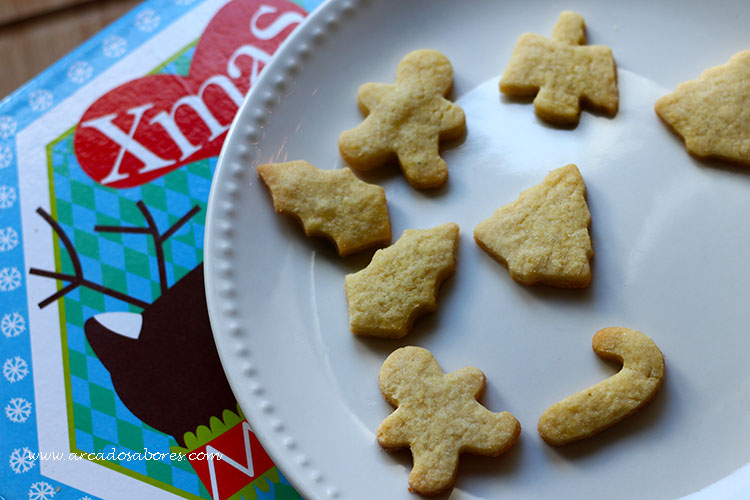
670,235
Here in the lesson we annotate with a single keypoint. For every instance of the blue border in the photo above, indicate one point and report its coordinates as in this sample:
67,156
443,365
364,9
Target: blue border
19,477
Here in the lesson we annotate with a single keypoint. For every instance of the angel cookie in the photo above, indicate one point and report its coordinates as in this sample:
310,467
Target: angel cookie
712,113
330,203
406,120
438,417
562,73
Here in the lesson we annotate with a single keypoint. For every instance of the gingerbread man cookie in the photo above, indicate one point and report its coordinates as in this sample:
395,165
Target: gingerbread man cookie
562,73
438,417
406,120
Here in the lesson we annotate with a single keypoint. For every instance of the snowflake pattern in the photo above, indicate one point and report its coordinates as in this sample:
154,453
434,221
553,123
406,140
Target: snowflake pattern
147,20
7,196
10,279
80,71
114,46
7,127
15,369
85,498
8,239
41,491
18,410
40,100
6,156
12,324
21,460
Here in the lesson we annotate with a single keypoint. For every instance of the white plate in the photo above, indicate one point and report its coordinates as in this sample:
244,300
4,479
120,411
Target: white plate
670,234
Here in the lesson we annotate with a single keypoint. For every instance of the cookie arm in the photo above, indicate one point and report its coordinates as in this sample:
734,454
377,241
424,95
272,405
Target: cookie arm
470,379
491,433
362,148
452,120
393,432
370,94
494,432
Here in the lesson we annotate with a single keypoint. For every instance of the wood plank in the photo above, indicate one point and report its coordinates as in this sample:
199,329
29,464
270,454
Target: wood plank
28,47
16,10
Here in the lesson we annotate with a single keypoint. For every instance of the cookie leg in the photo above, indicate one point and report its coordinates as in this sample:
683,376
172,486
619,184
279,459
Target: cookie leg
422,165
434,470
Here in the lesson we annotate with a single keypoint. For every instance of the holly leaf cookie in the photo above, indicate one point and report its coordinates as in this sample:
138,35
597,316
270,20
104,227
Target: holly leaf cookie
562,73
401,282
407,119
331,203
543,236
438,416
712,113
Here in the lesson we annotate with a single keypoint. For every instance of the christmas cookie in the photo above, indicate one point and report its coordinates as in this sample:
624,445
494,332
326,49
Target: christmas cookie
330,203
562,73
406,120
592,410
543,236
401,282
438,416
712,113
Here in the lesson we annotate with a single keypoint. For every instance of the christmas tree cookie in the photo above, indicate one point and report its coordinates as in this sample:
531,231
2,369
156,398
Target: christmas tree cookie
543,236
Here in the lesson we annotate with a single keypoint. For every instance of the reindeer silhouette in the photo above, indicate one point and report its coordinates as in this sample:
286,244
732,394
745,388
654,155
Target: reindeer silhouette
163,361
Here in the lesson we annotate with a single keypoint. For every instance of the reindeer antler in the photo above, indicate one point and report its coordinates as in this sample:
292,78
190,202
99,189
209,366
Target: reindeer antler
159,238
77,279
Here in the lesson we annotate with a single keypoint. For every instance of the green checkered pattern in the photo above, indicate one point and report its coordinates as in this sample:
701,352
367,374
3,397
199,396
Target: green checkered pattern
127,263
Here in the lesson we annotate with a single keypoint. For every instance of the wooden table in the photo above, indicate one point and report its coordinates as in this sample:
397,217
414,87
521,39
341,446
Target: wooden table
36,33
